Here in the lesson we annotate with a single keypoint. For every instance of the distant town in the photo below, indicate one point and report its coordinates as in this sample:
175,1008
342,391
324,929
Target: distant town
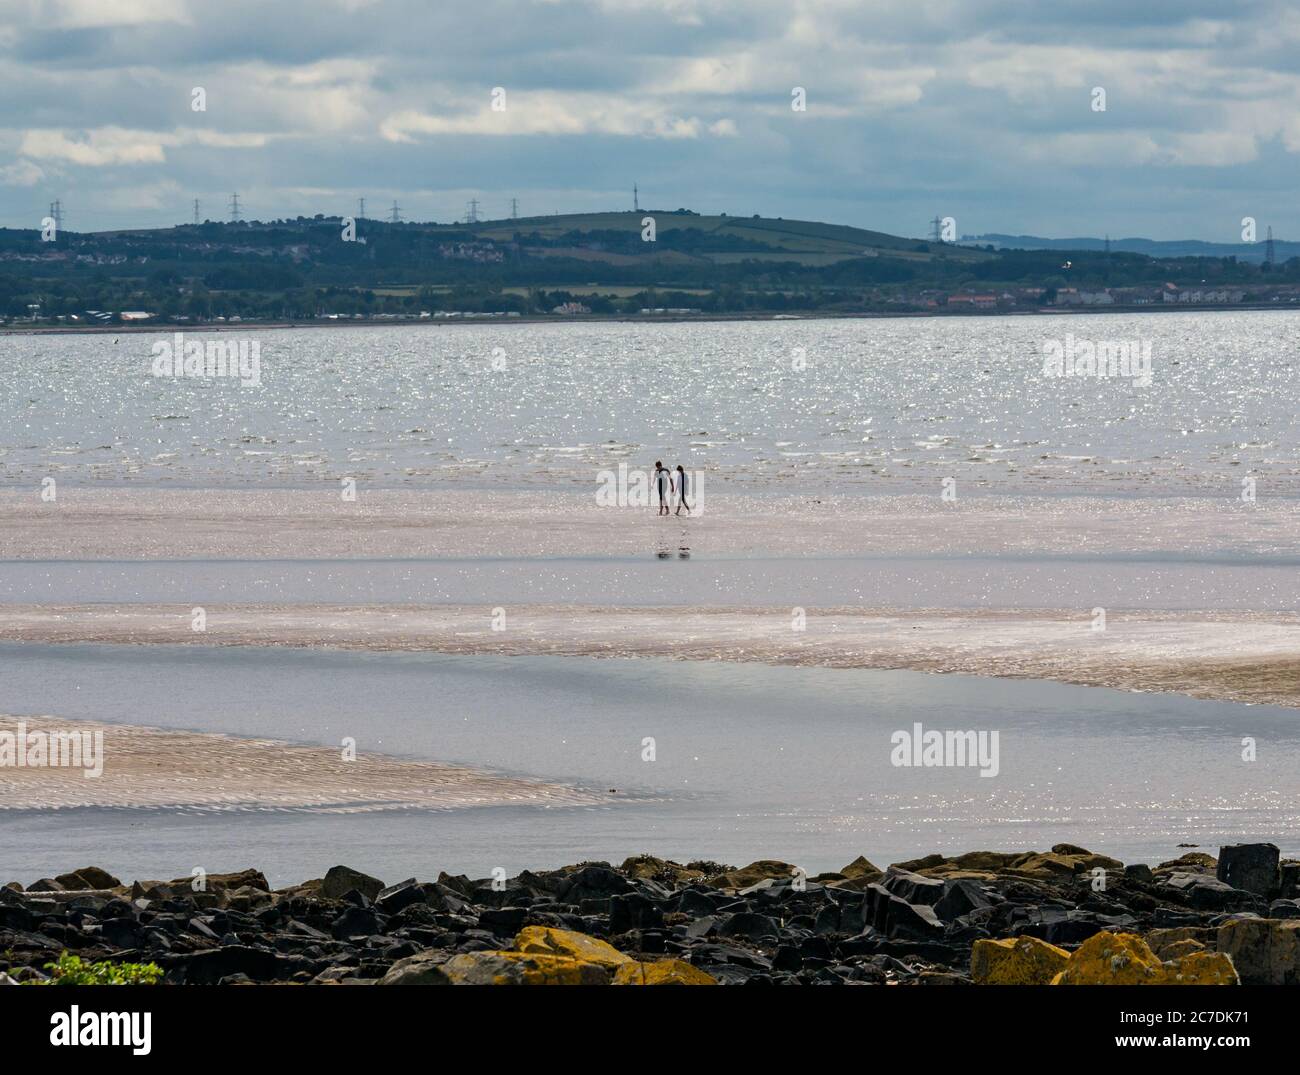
646,263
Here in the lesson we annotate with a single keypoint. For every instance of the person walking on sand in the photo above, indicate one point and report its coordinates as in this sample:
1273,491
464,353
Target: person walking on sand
664,483
681,491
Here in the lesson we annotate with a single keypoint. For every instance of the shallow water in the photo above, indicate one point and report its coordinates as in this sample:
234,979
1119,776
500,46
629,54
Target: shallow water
877,404
1027,582
751,762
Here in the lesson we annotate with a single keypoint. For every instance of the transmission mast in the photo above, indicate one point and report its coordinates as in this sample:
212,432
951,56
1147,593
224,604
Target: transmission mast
196,210
396,216
361,208
471,212
1268,248
56,214
234,208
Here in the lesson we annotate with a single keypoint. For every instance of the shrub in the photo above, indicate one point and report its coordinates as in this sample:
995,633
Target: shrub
72,970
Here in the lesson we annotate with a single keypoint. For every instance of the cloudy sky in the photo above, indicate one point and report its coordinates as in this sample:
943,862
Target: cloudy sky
980,109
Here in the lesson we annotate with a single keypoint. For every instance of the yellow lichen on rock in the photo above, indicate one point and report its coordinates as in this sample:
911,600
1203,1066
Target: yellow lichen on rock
1113,959
662,972
1126,959
1016,961
547,940
1202,968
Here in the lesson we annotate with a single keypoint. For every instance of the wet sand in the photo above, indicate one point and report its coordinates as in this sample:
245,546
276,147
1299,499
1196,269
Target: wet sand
1242,657
151,524
151,767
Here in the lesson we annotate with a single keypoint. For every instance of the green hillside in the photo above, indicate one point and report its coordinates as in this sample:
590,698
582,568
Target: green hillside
715,239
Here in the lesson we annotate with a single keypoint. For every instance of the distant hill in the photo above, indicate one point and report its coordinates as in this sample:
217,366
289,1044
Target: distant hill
1283,250
717,240
579,263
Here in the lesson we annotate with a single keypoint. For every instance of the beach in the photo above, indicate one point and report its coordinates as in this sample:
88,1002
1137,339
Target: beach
448,563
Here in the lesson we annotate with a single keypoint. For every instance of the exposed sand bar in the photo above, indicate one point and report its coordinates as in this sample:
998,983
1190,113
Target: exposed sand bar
151,767
152,524
1231,656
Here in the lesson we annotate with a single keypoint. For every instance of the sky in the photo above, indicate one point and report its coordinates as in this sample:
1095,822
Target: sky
981,110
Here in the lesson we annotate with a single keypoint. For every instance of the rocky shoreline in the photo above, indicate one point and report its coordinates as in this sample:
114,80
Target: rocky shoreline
1065,916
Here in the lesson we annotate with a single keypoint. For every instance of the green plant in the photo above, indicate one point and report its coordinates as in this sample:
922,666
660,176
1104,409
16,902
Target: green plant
73,970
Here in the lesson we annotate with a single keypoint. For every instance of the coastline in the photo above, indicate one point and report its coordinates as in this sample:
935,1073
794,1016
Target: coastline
1067,916
812,315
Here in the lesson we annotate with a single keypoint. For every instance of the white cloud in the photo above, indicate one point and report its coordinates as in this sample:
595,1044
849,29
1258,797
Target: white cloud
22,173
107,146
98,14
551,113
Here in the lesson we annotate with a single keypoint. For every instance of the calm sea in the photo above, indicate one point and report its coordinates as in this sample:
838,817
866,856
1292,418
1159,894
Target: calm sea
783,407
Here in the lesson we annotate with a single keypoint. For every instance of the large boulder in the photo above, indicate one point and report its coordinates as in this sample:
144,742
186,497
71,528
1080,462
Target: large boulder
960,898
1265,951
88,877
1016,961
398,897
592,883
546,940
1126,959
861,867
897,919
340,880
1207,893
1251,867
912,887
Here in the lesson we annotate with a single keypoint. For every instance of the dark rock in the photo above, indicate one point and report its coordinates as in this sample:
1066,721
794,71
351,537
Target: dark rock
710,955
912,887
1206,893
705,926
959,899
787,958
751,926
1250,867
340,880
88,877
503,920
210,966
633,911
593,882
694,902
394,898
